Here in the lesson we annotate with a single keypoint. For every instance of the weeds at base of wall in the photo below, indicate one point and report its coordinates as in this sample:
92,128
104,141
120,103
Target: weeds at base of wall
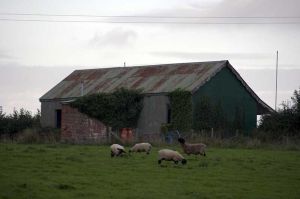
34,136
52,136
284,143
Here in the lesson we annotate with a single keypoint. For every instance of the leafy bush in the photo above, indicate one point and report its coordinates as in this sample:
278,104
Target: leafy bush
284,122
118,109
181,109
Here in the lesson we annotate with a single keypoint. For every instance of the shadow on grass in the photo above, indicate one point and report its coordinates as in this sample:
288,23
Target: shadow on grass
64,187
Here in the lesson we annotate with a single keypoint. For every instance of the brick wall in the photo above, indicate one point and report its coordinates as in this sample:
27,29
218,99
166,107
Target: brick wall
79,128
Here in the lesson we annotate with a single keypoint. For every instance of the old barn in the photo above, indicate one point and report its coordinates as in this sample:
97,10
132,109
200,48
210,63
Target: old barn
218,81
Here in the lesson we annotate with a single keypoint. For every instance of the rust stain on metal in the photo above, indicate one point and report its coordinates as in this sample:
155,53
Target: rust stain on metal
101,86
67,89
158,84
137,83
73,76
123,72
95,74
149,71
184,69
152,79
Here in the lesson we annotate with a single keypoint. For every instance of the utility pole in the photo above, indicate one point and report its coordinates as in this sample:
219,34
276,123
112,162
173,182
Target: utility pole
276,80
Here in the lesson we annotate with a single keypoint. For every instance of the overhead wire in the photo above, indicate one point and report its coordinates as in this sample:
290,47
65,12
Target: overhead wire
151,19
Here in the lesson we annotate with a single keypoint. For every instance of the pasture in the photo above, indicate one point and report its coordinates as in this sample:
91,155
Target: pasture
82,171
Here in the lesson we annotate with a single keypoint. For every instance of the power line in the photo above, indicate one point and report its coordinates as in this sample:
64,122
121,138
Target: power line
142,22
144,19
150,16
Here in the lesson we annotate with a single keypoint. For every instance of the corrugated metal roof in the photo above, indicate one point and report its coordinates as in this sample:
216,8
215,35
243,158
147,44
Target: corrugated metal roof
151,79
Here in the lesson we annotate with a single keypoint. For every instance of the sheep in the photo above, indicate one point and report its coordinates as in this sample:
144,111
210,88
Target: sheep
141,147
116,150
198,148
170,155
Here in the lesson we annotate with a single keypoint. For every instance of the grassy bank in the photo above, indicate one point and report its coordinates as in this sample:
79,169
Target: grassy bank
80,171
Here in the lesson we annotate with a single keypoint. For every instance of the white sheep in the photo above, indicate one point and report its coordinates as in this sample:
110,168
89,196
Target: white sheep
117,150
170,155
141,147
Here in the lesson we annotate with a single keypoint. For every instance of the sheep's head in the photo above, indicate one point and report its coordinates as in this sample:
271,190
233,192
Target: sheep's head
181,140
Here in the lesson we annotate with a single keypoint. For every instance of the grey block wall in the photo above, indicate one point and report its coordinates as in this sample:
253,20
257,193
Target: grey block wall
48,113
153,114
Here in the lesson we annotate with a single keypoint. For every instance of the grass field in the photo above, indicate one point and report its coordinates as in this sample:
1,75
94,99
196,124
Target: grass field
81,171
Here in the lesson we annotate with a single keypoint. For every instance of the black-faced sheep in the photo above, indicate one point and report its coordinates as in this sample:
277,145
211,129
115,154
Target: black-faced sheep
116,150
141,147
198,148
170,155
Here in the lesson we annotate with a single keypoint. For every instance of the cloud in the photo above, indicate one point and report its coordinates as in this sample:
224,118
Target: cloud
257,8
117,37
231,8
5,56
21,86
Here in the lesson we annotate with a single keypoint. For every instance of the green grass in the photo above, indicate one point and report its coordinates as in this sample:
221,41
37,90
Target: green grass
80,171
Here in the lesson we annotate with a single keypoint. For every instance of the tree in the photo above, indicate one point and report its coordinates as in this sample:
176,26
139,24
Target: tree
18,121
284,122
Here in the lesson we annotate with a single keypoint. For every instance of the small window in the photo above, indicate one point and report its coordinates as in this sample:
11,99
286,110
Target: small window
58,118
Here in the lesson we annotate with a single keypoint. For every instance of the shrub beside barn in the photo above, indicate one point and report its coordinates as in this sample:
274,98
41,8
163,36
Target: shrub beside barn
217,91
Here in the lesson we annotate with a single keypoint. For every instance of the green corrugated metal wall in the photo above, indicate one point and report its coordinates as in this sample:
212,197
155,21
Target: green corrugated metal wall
227,89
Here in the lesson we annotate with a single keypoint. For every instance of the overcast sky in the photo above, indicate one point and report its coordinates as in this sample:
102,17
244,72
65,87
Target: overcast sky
36,55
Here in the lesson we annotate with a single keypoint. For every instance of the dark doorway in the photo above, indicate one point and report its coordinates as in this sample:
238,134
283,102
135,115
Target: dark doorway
58,118
168,114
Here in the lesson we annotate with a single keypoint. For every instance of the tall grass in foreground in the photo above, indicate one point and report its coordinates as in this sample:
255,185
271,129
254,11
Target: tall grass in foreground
84,171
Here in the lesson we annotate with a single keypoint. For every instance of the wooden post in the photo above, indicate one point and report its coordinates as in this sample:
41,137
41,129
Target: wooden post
212,132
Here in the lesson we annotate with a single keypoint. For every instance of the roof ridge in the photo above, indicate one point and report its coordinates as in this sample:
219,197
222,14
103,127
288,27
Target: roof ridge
152,65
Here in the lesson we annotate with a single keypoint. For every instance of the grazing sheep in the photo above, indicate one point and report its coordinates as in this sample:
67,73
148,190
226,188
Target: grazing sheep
116,150
141,147
198,148
170,155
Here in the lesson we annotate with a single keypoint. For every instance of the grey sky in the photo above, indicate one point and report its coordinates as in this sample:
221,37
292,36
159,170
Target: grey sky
35,56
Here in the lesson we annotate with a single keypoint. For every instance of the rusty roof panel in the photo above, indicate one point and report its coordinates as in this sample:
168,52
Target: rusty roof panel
151,79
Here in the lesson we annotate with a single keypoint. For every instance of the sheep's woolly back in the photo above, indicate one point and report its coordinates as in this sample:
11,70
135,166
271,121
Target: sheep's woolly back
167,154
141,147
116,149
198,148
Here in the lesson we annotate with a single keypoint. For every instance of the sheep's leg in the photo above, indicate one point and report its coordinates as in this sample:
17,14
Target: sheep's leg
175,161
159,161
112,154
